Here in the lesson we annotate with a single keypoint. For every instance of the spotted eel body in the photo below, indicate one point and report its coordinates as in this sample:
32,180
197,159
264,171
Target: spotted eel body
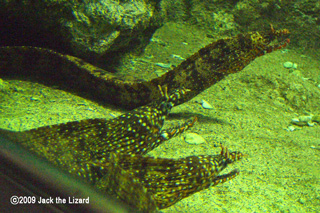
167,181
198,72
72,145
109,154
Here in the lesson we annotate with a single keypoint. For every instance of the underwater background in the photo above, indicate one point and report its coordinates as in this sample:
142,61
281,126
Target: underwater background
269,111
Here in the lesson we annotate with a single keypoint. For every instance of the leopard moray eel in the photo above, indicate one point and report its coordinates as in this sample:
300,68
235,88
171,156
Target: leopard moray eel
198,72
168,180
71,145
109,154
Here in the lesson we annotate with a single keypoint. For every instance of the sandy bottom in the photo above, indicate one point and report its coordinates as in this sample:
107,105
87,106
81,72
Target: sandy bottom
252,110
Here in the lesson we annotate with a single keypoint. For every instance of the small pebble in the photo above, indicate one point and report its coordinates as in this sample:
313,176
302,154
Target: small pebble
163,65
178,57
34,99
291,128
194,138
303,121
206,105
311,124
304,118
288,64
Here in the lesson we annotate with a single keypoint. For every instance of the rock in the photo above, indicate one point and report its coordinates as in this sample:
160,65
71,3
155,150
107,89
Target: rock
303,121
86,29
288,64
206,105
194,138
290,128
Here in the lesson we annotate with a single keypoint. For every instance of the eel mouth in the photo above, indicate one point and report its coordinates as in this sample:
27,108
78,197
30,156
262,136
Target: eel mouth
276,45
278,39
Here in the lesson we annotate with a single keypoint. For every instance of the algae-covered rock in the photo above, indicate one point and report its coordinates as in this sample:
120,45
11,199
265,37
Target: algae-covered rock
86,29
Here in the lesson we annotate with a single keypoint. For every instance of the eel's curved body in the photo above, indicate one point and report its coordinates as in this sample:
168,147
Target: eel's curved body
109,154
198,72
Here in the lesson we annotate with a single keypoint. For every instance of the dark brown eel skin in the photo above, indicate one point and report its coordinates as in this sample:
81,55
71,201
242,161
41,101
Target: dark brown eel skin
110,153
198,72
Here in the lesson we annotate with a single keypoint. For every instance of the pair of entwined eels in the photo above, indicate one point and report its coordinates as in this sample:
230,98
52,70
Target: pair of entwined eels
109,153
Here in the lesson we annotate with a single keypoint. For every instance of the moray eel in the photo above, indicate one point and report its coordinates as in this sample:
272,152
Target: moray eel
72,145
84,148
109,154
167,181
198,72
